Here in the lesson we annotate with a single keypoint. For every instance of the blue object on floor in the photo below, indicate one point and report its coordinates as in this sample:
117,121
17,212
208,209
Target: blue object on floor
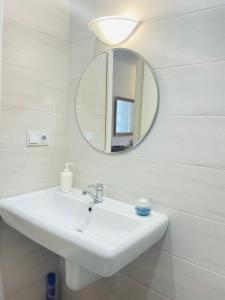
51,286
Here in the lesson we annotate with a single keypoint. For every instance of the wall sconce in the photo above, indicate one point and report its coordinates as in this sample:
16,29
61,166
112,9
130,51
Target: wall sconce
113,30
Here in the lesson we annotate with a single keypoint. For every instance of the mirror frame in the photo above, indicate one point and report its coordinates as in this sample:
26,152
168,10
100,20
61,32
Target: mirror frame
134,146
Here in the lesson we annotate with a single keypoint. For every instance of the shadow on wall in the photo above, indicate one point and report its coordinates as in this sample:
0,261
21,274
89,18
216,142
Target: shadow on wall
155,271
24,265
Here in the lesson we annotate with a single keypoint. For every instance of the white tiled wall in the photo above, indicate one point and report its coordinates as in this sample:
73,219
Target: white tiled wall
34,97
34,92
180,166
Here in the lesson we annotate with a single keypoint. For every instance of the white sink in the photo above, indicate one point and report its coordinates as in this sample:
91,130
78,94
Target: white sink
94,244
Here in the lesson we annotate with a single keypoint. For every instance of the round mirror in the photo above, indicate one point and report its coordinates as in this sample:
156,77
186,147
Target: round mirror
116,101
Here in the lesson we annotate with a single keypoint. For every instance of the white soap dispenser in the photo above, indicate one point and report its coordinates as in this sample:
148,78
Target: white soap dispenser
66,177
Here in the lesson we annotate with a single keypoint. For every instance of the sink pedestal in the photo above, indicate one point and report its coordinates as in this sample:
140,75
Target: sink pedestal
77,277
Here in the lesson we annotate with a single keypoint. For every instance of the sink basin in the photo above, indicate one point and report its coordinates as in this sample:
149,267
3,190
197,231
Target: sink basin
95,240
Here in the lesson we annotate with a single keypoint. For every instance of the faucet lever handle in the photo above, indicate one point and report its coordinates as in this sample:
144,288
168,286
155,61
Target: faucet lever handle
98,195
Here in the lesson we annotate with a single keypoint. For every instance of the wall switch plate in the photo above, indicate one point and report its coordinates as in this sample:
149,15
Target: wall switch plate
37,138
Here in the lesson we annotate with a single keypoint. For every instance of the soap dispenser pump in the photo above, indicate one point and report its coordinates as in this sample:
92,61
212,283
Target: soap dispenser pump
66,179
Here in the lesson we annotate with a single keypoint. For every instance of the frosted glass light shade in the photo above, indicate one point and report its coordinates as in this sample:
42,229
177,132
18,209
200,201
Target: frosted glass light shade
113,30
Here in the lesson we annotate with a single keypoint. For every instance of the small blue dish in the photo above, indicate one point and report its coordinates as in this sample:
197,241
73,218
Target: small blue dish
143,211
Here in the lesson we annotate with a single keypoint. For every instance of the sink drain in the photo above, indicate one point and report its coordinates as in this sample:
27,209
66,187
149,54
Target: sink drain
79,230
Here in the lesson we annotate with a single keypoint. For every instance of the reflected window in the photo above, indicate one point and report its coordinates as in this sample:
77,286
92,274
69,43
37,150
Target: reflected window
123,116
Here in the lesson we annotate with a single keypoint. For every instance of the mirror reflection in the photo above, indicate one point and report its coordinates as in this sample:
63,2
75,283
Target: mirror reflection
116,101
123,116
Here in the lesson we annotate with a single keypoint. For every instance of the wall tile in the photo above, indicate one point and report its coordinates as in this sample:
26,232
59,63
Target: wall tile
190,39
195,239
105,289
24,265
34,50
81,54
192,90
25,120
26,294
132,290
40,184
54,15
21,167
23,88
186,140
175,278
155,9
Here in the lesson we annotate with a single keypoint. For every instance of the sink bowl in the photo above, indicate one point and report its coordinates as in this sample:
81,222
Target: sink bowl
95,240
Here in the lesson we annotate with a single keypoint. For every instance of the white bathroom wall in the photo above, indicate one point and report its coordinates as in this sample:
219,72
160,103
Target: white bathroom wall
180,165
34,92
34,97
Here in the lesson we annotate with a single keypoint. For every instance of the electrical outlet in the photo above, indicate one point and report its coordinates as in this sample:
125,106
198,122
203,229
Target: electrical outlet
37,138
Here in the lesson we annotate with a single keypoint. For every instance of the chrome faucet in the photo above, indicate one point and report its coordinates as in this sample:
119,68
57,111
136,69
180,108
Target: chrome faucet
98,196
